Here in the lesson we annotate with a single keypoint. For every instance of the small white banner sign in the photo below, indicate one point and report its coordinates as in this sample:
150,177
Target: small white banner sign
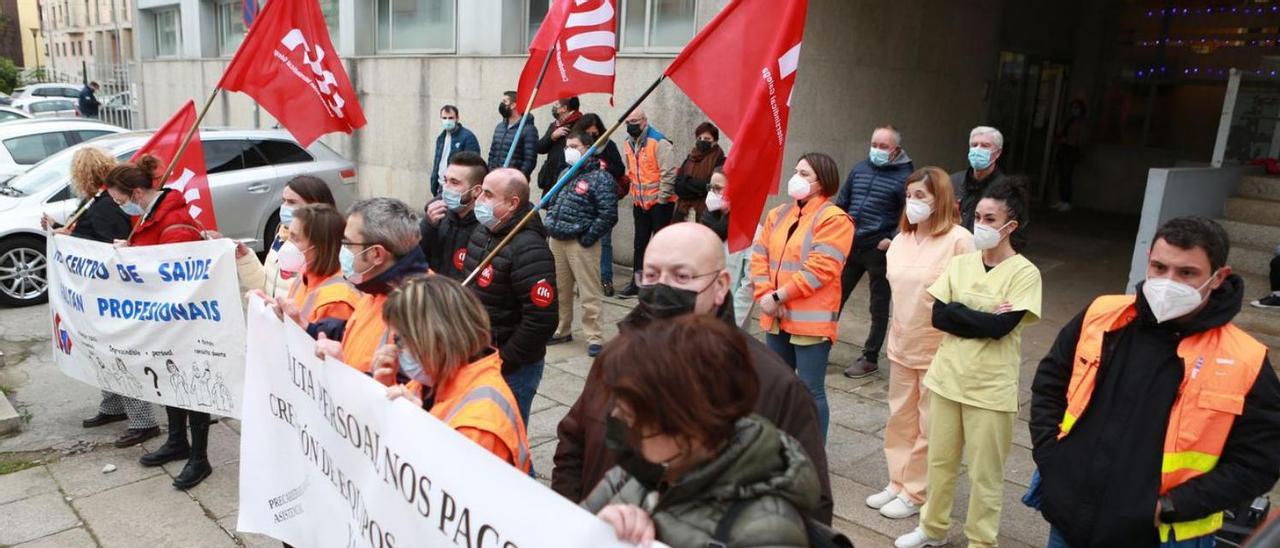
160,323
327,460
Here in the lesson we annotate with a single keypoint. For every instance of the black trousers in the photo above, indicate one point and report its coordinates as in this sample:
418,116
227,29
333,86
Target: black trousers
869,261
199,426
1275,273
647,223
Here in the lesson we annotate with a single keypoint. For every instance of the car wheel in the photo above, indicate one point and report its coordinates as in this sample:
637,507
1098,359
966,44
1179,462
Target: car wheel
23,277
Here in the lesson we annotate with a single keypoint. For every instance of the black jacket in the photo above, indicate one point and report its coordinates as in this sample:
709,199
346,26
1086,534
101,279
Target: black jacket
525,156
553,164
1100,484
969,192
445,244
518,289
586,208
581,458
104,221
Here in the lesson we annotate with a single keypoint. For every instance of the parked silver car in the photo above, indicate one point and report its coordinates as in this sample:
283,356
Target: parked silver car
247,172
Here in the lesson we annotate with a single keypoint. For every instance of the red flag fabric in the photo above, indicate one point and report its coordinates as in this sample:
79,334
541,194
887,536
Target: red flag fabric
188,176
288,65
740,70
584,35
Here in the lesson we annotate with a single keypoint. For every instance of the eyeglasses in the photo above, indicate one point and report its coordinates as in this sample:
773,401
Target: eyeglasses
652,278
350,243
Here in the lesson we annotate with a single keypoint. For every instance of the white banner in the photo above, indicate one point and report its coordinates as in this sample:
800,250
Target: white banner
159,323
327,460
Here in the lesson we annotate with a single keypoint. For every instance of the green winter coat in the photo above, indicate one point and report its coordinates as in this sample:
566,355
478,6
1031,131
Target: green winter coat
761,464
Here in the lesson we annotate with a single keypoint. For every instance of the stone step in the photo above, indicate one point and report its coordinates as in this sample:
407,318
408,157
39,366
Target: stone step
1252,235
1262,323
1260,187
10,420
1248,259
1253,211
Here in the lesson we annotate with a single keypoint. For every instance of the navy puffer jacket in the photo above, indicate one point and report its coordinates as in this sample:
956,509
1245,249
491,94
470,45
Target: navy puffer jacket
586,208
874,196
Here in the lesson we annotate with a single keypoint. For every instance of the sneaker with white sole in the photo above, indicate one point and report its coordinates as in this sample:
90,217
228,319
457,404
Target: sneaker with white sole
917,539
900,507
882,498
1270,301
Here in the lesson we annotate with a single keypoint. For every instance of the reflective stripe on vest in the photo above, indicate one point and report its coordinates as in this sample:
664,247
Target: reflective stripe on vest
491,394
645,172
310,302
787,251
785,268
1220,367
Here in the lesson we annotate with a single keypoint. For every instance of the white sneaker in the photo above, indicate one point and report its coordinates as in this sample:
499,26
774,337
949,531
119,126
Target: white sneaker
882,498
917,539
900,507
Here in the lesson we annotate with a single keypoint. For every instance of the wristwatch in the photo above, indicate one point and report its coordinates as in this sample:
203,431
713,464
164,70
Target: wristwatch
1166,509
775,297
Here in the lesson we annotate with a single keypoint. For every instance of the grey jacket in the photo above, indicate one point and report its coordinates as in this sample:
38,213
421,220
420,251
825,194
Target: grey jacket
760,464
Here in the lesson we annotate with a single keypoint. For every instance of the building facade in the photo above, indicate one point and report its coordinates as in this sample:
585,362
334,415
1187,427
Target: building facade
88,38
35,51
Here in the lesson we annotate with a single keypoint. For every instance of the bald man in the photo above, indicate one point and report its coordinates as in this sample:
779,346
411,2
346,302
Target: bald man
684,273
651,166
518,288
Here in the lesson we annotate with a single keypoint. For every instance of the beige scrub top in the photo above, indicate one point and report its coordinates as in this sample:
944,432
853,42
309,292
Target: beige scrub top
984,372
912,267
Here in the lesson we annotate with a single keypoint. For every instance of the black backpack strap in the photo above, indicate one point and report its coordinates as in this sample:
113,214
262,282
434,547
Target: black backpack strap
720,539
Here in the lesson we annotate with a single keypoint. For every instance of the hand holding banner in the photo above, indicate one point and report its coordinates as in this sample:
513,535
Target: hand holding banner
326,460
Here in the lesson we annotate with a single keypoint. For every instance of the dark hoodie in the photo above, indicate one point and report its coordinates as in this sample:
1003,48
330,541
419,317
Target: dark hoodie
1101,483
518,288
445,243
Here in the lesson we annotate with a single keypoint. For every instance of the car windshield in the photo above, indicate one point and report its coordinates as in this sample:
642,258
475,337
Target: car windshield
54,169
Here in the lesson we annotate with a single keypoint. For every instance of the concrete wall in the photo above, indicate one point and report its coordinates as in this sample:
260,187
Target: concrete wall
922,66
1176,192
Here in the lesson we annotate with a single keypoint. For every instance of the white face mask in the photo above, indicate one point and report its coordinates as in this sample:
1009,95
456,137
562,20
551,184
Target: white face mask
715,202
985,237
290,258
918,210
571,156
1170,300
799,188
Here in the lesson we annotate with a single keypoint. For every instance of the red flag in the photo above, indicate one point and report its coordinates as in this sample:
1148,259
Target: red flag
188,176
288,65
749,98
584,35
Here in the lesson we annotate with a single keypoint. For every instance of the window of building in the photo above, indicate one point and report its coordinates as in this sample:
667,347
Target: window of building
168,33
537,11
329,9
230,25
407,26
657,25
90,47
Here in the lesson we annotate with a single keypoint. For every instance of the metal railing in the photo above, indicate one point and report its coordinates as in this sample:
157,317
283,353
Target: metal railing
117,93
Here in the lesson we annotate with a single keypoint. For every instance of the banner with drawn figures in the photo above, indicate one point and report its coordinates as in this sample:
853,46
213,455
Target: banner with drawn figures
161,323
327,460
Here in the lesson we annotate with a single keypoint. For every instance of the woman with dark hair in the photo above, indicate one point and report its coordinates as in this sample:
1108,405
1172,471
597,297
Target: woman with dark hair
694,174
268,275
611,162
319,298
163,219
982,302
796,264
690,453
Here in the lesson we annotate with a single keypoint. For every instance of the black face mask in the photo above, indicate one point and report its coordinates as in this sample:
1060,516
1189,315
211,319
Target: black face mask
717,221
661,301
704,146
634,130
504,109
616,434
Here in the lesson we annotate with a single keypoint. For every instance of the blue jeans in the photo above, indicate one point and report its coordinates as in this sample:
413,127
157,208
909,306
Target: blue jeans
606,257
811,363
1056,541
524,385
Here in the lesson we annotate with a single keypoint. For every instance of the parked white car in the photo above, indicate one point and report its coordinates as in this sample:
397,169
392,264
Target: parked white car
247,172
25,94
9,114
27,142
52,108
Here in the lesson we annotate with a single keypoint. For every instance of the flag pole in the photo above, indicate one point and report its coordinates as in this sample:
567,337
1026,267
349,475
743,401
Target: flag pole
565,178
529,105
182,148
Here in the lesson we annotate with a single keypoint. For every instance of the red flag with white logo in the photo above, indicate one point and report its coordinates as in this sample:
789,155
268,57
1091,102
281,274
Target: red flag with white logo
749,97
287,63
188,176
584,35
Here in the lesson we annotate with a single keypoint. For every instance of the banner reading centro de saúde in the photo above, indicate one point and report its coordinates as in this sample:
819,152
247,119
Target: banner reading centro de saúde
327,460
159,323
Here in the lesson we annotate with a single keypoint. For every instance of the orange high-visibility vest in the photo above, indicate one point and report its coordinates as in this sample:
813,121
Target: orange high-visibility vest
1221,365
365,333
807,262
645,172
311,299
478,397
